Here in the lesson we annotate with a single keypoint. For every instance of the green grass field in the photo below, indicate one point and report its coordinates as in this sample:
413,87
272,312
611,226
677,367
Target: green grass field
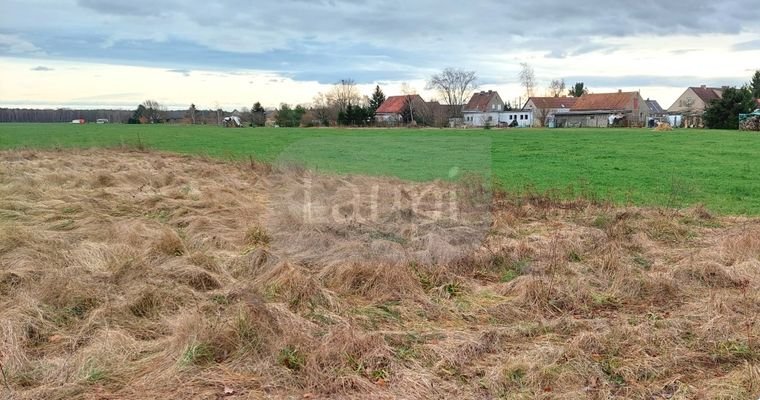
720,169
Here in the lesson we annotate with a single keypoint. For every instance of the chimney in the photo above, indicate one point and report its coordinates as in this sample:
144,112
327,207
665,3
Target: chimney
620,90
704,86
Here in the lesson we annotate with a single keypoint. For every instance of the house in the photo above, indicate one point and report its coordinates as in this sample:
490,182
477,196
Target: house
545,108
396,110
656,113
601,110
487,109
692,103
176,117
483,109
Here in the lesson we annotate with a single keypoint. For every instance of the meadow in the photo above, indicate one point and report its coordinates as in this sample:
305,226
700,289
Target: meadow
717,169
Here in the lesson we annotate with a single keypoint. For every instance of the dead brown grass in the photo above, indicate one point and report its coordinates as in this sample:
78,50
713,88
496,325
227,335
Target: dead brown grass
134,274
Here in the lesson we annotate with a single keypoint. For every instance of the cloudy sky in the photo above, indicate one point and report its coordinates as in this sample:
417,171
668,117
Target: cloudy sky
116,53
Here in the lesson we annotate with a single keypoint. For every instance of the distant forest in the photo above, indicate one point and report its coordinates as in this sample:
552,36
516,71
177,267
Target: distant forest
62,115
113,116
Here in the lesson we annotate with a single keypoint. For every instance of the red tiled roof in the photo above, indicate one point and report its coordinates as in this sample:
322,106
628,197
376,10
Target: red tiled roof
708,94
604,101
396,104
553,102
479,101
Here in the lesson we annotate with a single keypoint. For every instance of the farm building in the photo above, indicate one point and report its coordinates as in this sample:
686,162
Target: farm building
656,113
396,110
602,110
692,103
545,108
487,109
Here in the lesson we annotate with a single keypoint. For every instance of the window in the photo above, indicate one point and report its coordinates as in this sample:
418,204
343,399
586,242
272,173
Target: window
490,118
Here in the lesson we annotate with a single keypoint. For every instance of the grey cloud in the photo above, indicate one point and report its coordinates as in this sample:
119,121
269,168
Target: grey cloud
633,81
183,72
129,8
424,24
747,46
42,68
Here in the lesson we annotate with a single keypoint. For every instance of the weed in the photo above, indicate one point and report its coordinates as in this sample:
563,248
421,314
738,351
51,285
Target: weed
512,270
197,353
94,374
220,299
257,236
379,374
642,261
291,358
452,290
734,349
516,375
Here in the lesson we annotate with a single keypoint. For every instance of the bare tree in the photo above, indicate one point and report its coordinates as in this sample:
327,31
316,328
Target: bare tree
454,86
192,112
541,116
557,87
407,89
527,79
219,113
345,93
324,109
154,111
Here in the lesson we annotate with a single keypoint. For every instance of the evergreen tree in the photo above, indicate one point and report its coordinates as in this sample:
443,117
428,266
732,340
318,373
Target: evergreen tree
138,115
578,90
258,115
378,98
290,117
755,85
724,113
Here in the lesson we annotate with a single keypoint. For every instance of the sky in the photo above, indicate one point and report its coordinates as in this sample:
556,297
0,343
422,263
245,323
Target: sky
232,53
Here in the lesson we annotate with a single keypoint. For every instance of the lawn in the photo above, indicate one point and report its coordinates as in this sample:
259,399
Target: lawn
719,169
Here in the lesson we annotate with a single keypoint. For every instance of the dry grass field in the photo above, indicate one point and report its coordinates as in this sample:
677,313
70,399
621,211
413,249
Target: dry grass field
130,274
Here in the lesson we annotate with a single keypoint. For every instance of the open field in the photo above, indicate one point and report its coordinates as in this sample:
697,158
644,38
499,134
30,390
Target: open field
718,169
134,274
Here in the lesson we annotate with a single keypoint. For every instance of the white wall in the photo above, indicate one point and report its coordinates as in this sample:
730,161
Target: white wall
480,119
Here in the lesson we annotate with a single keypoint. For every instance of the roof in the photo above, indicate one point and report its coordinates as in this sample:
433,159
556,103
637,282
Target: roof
396,104
604,101
175,114
479,101
654,107
707,94
553,102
